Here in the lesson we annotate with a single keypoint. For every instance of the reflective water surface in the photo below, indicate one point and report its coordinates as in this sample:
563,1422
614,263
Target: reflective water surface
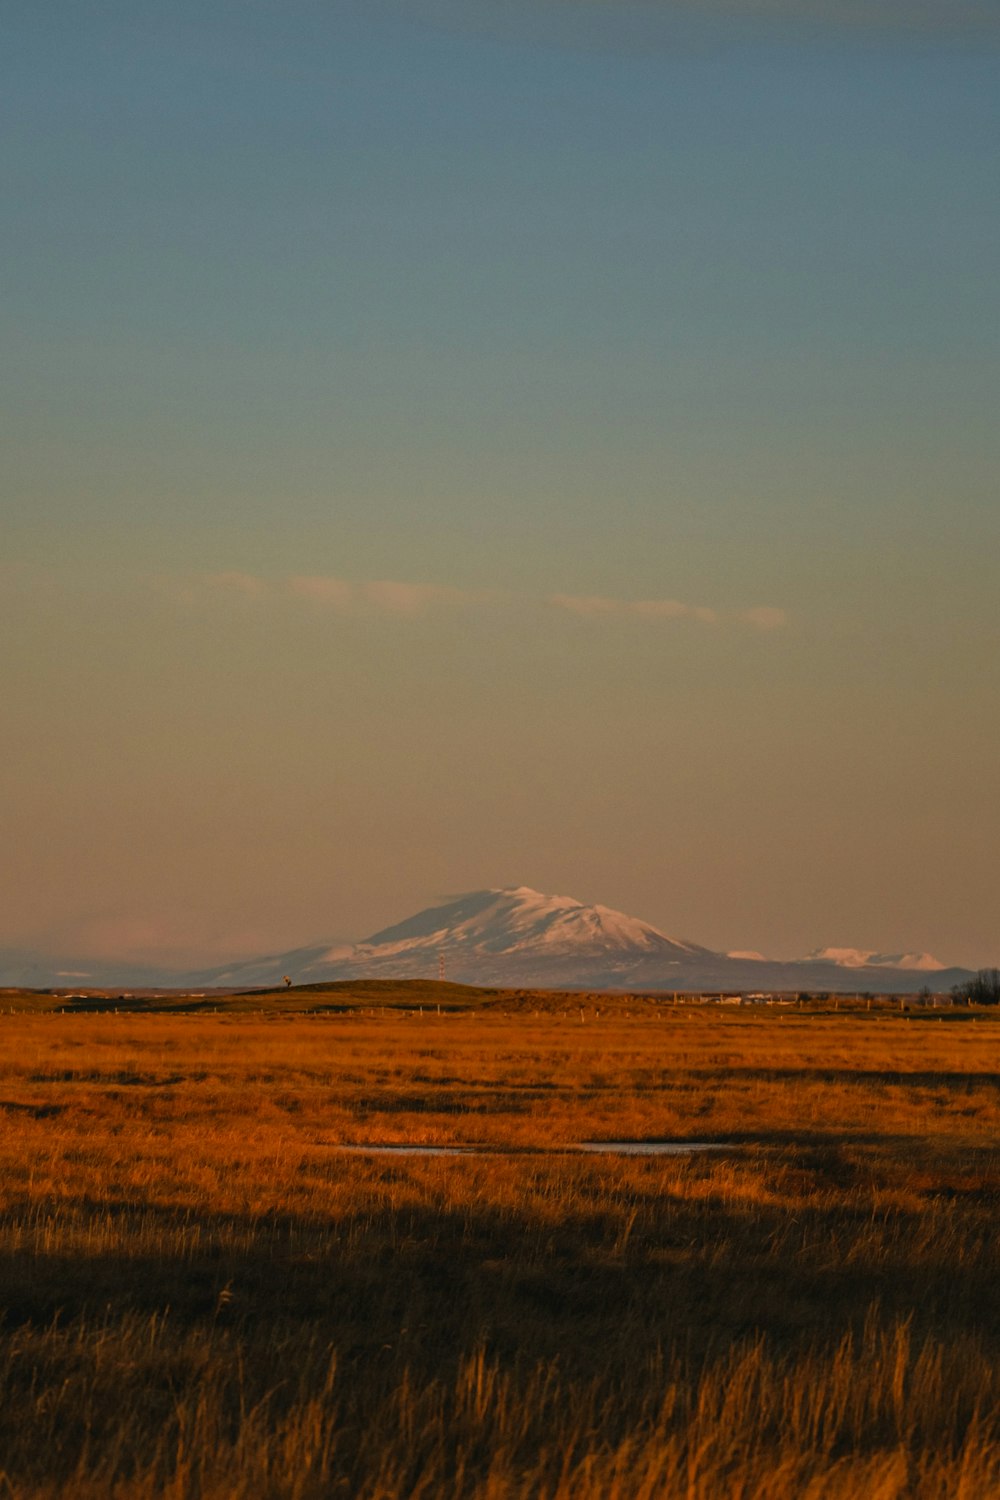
609,1148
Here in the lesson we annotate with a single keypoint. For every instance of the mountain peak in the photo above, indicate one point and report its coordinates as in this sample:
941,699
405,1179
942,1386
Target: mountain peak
518,920
862,958
514,936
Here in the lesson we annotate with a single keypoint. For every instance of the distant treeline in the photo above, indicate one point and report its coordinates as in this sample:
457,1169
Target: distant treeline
982,989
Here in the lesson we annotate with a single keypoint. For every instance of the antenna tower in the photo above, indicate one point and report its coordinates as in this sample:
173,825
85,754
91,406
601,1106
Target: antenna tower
441,965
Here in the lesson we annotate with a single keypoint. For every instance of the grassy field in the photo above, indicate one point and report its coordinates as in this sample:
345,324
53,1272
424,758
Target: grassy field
203,1297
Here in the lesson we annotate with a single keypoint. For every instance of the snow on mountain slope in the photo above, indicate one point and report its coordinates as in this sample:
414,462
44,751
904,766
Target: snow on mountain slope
517,919
860,958
517,937
513,935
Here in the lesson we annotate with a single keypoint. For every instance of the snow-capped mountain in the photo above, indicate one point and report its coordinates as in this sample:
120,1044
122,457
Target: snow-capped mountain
514,935
518,919
518,937
861,958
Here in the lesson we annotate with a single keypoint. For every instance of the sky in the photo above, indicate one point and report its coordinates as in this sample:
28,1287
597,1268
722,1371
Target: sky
463,443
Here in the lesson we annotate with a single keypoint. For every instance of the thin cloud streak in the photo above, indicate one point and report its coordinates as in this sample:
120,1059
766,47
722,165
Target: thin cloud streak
594,606
409,600
415,598
380,595
599,606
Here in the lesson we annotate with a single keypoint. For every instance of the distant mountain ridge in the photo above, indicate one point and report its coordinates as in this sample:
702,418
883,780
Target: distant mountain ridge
513,935
860,958
22,969
517,937
517,918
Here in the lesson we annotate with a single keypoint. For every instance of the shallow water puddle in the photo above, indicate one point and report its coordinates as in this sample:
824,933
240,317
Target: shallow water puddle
607,1148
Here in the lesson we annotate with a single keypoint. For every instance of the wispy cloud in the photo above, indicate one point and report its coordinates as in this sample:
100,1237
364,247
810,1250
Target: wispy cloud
596,605
415,598
404,599
600,606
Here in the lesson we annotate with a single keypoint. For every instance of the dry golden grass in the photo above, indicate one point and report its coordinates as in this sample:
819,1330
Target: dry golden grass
202,1298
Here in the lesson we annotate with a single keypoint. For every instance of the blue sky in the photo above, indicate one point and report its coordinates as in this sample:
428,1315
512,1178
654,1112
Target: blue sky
535,314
